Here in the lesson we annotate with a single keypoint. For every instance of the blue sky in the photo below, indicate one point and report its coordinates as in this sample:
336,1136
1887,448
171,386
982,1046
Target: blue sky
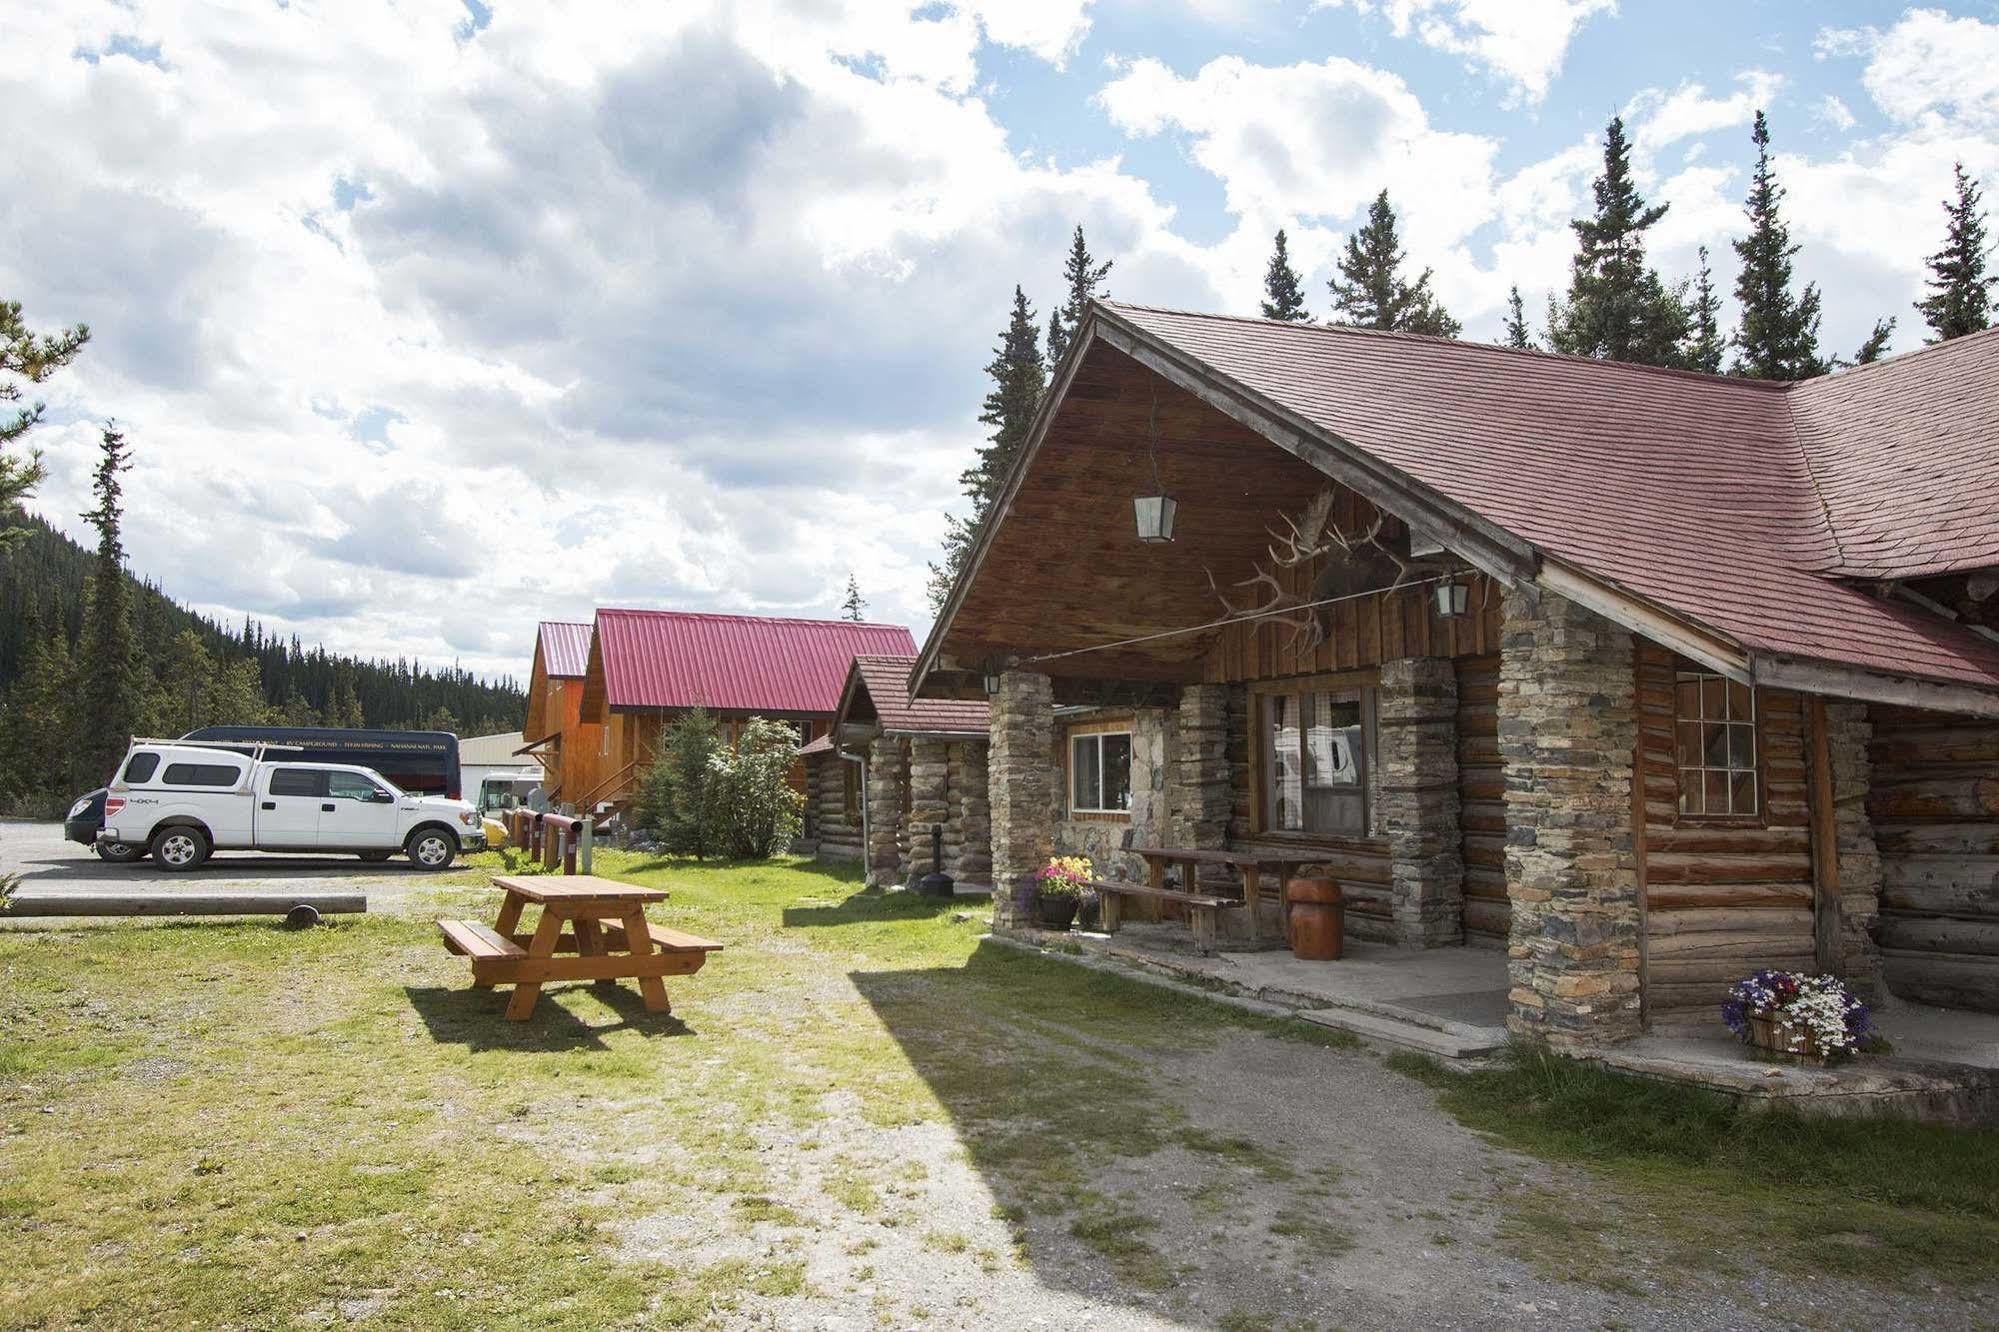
427,320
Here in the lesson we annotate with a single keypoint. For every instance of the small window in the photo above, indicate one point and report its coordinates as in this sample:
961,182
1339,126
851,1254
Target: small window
141,767
1717,746
298,782
805,733
1100,773
850,792
1315,761
350,786
202,774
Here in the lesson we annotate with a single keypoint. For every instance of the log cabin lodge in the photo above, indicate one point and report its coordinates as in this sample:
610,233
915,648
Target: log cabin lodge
1629,680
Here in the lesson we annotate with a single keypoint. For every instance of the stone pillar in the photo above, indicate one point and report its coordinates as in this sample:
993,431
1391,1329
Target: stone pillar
1202,798
885,822
1416,807
1848,735
971,813
1022,792
1567,730
929,802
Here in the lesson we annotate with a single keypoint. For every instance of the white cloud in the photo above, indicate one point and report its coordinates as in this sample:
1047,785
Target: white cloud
1521,41
1689,111
1835,114
1929,63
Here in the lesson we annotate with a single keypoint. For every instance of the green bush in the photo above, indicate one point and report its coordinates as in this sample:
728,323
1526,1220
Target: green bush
757,814
673,797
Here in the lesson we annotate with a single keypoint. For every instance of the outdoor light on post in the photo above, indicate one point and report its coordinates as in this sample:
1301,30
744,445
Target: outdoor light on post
1154,512
1453,598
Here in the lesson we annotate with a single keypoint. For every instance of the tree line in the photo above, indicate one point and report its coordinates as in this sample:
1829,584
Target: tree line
90,655
1616,307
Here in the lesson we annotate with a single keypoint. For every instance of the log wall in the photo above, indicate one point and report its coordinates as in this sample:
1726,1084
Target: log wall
1482,801
833,826
1934,803
1722,897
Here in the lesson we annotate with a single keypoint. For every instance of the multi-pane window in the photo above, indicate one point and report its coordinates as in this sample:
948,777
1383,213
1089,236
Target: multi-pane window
1717,745
1315,762
1100,772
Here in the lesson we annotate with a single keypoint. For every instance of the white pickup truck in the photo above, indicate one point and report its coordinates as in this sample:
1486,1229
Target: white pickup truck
184,799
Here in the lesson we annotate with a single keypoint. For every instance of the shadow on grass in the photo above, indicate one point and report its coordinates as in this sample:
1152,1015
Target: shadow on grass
866,908
476,1019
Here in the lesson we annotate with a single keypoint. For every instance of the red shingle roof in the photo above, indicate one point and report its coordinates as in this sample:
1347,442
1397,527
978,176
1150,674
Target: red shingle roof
1692,491
565,649
886,680
733,663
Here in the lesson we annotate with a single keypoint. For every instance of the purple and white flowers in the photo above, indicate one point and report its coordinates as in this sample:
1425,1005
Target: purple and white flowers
1811,1015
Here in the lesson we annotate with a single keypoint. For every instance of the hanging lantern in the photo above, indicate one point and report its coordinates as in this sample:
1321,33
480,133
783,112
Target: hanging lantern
1453,598
1155,517
992,680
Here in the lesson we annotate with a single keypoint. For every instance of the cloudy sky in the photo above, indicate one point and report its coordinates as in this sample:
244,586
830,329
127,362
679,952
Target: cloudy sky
428,319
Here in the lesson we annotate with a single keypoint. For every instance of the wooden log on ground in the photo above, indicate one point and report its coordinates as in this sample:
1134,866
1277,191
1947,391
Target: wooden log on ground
182,904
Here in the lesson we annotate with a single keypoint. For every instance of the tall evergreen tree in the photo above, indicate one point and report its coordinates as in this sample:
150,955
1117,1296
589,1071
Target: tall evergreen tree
1960,299
1877,342
1617,309
1517,335
1018,381
852,606
1083,281
25,359
1779,335
1374,294
107,688
35,743
1283,288
1705,343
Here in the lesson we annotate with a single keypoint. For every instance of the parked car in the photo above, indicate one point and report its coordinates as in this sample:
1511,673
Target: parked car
86,819
182,800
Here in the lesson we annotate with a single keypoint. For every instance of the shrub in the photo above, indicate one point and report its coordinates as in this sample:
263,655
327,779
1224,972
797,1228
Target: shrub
674,799
756,812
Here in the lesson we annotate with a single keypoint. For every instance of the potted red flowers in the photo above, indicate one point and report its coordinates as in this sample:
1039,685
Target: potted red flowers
1058,890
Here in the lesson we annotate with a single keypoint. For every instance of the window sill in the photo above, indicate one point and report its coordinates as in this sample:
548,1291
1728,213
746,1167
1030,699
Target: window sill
1099,815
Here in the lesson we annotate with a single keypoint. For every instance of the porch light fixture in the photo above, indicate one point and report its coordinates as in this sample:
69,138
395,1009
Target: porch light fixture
1453,598
1154,512
992,680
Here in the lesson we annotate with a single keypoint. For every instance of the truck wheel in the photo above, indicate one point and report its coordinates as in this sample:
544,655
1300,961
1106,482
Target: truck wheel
375,857
120,853
432,848
180,848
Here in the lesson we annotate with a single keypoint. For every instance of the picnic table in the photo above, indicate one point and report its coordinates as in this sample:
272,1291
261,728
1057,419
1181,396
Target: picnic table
607,938
1249,865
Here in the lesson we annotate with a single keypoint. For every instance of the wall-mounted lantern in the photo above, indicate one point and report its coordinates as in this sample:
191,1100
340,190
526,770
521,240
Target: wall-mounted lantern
1155,517
992,680
1453,598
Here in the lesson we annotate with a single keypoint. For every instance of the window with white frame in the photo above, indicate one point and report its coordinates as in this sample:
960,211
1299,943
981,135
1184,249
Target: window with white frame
1717,746
1100,772
1315,759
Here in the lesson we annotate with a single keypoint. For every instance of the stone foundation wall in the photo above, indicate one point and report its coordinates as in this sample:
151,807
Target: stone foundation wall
1567,733
1023,735
1416,809
1200,797
1848,734
968,829
888,774
929,805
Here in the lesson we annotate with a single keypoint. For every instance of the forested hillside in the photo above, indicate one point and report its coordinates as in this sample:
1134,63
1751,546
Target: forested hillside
192,671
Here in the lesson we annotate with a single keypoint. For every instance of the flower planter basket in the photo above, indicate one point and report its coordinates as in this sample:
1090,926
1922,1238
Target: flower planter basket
1772,1034
1796,1016
1055,913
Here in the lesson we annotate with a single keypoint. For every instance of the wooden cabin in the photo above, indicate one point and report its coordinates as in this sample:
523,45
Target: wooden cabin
568,750
896,767
1638,679
647,667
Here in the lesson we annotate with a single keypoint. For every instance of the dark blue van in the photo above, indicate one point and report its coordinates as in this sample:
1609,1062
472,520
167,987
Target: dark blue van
420,762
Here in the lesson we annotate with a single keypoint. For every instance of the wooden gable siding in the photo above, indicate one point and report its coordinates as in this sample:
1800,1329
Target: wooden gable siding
635,739
1363,632
1488,915
1721,897
1934,804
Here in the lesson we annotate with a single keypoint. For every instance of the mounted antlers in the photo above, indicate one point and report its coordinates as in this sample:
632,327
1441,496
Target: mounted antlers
1363,558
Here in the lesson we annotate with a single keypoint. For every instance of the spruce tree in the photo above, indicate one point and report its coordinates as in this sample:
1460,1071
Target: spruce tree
673,798
35,737
1877,342
25,358
1083,281
107,692
1283,292
1779,334
1960,299
1704,344
854,604
1517,335
1374,294
1617,308
1018,381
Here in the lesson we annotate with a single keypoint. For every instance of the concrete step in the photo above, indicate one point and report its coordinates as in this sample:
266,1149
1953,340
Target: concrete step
1458,1041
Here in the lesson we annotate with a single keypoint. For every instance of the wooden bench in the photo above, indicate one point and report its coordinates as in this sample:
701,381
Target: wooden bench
1203,911
499,959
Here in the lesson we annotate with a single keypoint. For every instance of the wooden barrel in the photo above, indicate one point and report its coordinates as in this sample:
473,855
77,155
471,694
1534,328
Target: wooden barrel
1318,919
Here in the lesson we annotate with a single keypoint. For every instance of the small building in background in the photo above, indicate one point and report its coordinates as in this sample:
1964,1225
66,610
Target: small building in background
555,735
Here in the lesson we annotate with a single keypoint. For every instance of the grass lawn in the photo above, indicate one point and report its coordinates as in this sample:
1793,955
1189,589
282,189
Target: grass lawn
224,1124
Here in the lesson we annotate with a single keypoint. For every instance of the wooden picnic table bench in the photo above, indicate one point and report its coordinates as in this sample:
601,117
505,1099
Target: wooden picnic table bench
1251,865
590,929
1203,911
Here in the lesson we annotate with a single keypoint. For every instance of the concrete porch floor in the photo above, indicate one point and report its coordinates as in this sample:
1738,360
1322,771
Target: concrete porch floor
1451,1002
